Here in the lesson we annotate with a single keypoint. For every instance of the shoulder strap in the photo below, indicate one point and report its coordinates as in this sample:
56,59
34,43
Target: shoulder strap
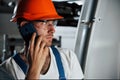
21,63
59,63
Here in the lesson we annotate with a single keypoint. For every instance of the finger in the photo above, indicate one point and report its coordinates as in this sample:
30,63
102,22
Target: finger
32,41
46,50
42,46
45,53
38,43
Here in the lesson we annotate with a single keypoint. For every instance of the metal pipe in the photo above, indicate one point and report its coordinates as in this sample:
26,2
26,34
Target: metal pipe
4,46
84,29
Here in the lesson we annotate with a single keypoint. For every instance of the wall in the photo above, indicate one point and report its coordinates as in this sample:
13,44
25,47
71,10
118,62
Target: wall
7,27
104,47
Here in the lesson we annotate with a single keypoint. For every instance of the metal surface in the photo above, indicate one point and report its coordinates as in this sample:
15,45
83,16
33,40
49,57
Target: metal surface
84,28
102,61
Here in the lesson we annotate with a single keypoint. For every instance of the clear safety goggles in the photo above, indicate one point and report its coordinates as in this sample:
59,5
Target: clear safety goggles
48,22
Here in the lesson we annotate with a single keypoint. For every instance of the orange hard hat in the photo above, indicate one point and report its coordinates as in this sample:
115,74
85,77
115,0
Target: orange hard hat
35,10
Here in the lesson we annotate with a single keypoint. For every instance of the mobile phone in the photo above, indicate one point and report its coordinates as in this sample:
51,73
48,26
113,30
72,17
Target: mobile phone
26,31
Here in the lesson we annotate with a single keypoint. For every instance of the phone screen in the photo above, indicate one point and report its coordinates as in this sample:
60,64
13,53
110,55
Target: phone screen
26,31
